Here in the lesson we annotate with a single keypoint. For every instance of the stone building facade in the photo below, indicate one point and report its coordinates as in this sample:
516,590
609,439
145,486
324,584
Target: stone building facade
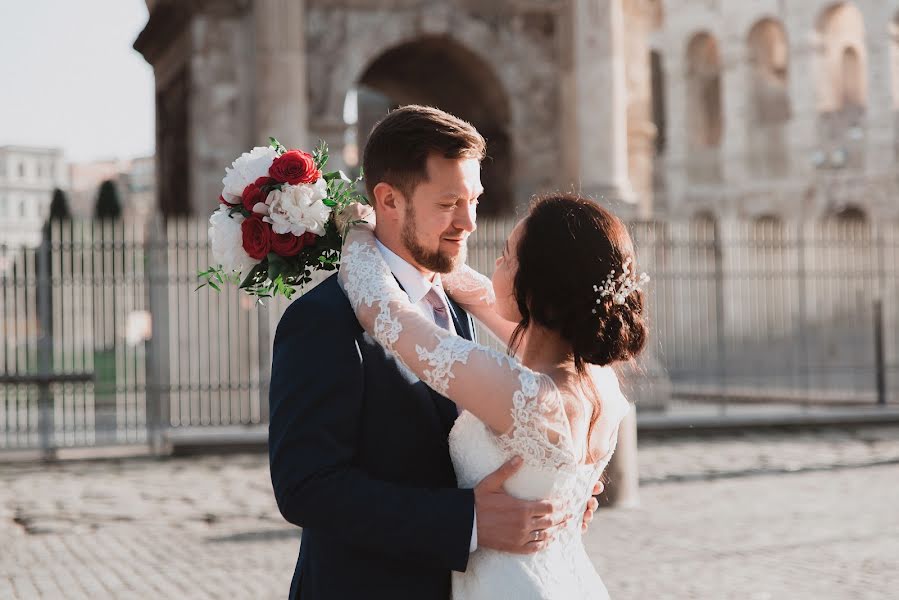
773,110
667,108
544,80
28,177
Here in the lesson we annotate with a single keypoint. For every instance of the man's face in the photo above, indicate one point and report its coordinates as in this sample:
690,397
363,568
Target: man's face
441,213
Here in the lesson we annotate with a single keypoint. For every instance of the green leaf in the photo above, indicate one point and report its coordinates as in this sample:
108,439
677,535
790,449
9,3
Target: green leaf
277,266
279,148
320,155
254,274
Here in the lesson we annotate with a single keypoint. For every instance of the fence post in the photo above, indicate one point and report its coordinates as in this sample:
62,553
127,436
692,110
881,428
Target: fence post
879,353
157,359
720,320
45,348
265,360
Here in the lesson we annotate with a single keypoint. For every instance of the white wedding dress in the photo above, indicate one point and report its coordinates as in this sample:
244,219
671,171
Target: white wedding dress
539,429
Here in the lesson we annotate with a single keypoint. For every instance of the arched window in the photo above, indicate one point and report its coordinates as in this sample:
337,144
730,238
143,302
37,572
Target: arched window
842,86
438,71
852,79
769,99
705,113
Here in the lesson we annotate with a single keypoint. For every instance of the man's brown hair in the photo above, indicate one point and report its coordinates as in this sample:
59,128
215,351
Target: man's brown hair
398,146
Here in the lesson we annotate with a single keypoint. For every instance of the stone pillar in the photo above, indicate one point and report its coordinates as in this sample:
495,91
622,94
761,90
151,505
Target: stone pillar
641,132
802,129
281,98
676,148
879,130
281,108
734,108
595,100
333,133
623,472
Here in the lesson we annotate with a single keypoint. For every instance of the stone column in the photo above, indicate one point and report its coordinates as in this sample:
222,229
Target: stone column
805,61
281,97
677,146
879,130
333,133
595,100
281,108
641,132
734,107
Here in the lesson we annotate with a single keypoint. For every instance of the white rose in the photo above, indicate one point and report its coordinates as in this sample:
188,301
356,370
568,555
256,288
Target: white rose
249,167
226,240
299,208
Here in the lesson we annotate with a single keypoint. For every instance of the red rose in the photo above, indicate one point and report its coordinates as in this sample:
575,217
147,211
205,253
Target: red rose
253,193
309,239
257,237
287,244
295,167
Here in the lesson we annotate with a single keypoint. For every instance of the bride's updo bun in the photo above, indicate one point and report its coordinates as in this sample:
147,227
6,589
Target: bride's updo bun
568,245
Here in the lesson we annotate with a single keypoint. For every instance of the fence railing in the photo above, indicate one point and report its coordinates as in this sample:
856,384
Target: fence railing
106,341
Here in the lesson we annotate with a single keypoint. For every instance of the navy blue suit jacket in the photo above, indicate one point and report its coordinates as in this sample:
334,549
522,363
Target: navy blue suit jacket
360,460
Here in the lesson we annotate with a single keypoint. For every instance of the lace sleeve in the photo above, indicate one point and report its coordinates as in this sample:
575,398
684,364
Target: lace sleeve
474,292
524,407
469,288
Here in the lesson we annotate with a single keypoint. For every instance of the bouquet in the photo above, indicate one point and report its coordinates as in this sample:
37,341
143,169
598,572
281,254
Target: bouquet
276,224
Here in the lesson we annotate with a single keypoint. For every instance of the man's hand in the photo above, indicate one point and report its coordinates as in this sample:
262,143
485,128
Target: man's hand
592,505
508,524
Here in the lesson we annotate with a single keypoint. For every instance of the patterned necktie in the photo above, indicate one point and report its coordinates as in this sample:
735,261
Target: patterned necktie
441,315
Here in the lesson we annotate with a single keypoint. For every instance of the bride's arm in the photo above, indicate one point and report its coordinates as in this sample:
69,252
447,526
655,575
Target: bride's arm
474,292
511,399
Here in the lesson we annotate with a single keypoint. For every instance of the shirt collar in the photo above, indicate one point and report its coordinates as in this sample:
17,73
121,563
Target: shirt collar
413,281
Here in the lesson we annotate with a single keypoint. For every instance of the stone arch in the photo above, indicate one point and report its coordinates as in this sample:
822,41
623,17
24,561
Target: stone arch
849,214
843,57
706,115
767,227
769,58
438,71
769,98
705,110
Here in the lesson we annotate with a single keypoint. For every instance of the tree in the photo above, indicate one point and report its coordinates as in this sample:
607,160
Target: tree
108,205
59,207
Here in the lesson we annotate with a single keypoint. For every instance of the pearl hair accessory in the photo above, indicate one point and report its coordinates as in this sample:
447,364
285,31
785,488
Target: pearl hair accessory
621,287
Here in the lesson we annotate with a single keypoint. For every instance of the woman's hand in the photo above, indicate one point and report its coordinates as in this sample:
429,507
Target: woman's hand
355,214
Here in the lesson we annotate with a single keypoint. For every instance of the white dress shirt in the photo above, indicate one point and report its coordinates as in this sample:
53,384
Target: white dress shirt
416,284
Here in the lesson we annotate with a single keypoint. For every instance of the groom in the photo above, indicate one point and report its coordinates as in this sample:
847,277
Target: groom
358,446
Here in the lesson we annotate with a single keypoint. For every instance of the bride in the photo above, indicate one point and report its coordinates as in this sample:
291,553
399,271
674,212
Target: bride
566,300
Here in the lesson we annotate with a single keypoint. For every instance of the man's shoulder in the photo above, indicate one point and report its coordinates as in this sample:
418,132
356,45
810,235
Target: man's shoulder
326,303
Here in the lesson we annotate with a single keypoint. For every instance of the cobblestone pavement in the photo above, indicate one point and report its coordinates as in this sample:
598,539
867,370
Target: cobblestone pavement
761,517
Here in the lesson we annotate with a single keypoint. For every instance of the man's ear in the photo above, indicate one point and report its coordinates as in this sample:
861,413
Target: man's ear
388,202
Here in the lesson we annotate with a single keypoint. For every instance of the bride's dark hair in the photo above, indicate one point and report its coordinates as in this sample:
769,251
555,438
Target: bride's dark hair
568,244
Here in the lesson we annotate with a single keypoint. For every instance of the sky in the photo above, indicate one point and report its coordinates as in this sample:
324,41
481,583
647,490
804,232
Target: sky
71,80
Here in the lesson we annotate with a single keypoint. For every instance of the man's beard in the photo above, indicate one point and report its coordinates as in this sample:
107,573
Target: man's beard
432,260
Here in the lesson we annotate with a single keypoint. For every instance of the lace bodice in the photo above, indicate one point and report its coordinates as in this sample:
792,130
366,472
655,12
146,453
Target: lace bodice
563,570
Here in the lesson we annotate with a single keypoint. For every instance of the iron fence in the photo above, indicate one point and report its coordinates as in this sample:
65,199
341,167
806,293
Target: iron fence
106,341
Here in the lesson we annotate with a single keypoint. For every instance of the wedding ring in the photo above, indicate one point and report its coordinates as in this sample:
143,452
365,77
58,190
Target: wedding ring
537,535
